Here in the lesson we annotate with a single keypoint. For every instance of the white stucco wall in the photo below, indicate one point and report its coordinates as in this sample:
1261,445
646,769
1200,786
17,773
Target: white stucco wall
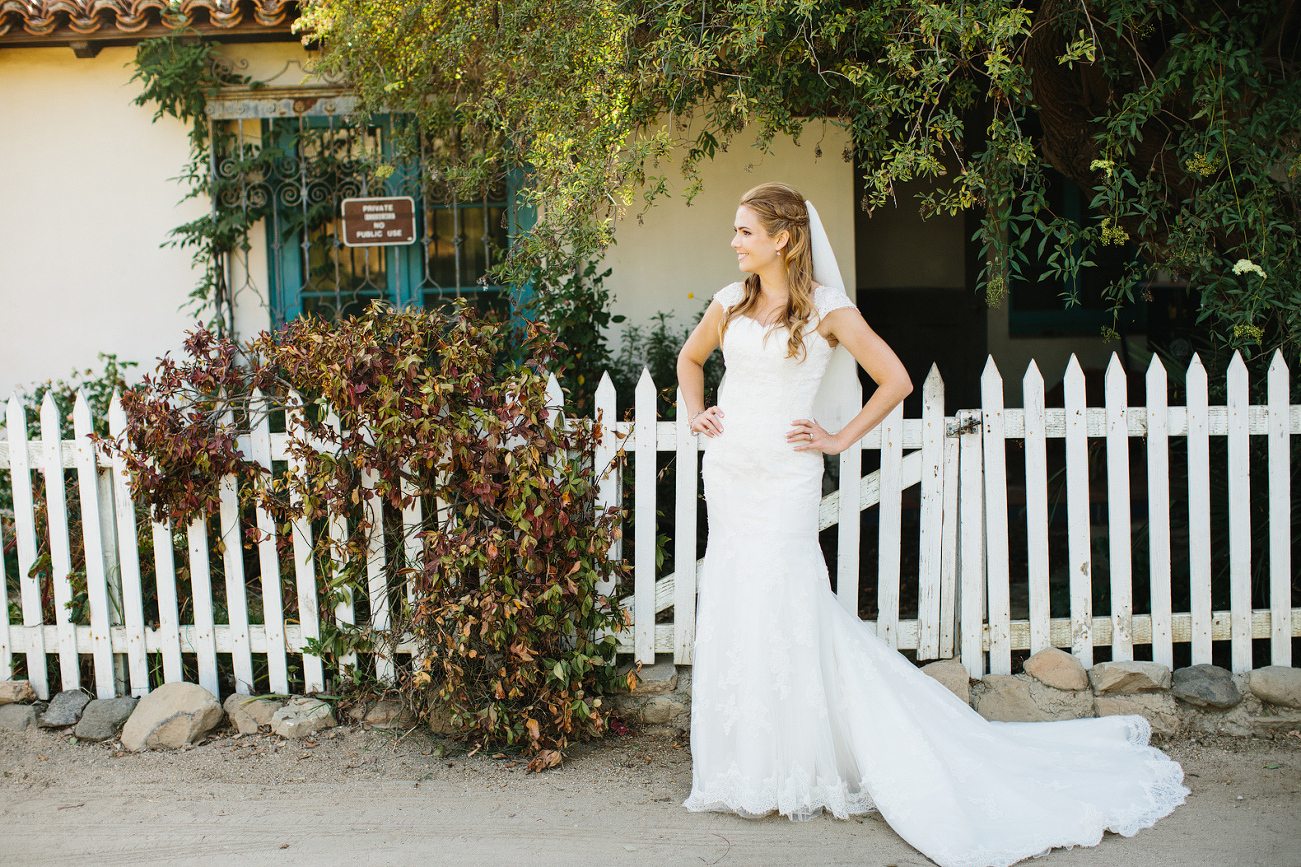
85,201
87,196
677,250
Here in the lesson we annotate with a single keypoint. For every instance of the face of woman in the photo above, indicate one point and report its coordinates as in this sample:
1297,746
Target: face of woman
755,248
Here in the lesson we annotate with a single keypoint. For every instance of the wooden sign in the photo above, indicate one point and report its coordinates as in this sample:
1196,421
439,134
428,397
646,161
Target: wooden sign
379,222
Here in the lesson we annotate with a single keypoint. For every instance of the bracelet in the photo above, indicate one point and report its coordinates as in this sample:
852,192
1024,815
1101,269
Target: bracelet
696,416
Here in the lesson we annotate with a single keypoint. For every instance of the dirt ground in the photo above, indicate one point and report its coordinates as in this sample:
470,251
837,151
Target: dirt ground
372,797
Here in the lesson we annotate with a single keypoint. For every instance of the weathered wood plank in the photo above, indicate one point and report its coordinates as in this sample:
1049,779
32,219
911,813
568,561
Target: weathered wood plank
169,619
133,614
1036,507
890,528
1239,517
930,554
1158,512
684,539
273,603
1118,513
848,522
997,571
1199,510
304,558
971,555
949,551
381,618
204,647
93,546
644,529
56,513
1280,513
1080,567
231,534
609,493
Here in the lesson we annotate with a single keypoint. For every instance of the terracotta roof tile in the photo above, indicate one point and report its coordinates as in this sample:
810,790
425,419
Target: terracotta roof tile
61,18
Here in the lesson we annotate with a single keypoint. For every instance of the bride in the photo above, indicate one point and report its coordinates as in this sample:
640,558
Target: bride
797,706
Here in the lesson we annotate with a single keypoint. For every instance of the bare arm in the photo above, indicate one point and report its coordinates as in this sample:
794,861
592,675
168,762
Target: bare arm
847,326
691,371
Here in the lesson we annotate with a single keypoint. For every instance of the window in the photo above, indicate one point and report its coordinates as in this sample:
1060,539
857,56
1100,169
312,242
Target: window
297,160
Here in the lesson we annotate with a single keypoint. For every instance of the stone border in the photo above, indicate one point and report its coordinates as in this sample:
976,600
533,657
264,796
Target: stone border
1056,686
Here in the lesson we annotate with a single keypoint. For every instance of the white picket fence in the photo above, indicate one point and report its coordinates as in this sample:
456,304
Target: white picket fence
963,581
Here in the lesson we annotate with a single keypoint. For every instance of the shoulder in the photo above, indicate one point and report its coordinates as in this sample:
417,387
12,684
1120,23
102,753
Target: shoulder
828,298
730,295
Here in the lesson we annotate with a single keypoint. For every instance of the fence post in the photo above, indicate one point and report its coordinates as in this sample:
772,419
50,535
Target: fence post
56,512
949,550
1158,512
998,575
232,542
169,620
609,479
205,630
850,520
1239,517
309,618
273,604
1079,537
1118,515
644,557
20,470
93,542
1036,506
1280,514
1199,510
684,539
930,547
129,557
971,555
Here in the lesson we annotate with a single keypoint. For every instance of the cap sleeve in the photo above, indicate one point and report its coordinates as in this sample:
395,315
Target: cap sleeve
829,298
730,296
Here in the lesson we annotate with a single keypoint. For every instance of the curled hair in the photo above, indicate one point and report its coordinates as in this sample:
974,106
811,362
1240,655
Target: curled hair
781,208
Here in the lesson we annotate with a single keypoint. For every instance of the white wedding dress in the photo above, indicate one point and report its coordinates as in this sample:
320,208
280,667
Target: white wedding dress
798,707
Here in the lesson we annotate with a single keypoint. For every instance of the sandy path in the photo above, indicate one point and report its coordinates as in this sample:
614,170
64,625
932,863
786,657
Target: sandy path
370,798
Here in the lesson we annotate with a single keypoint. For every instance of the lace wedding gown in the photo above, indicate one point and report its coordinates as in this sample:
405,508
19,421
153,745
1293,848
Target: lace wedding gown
798,707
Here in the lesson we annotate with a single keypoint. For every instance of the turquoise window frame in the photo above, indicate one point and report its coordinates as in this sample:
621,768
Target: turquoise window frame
405,268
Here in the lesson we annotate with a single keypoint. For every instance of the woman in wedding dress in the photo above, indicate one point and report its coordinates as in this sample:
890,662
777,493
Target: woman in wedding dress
797,706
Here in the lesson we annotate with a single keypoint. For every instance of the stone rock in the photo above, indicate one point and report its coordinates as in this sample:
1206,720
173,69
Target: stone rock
657,679
684,681
247,712
1058,669
1159,709
653,710
17,717
1205,686
103,717
1056,703
170,717
302,717
440,721
1278,685
1006,698
64,710
16,691
389,713
1128,678
953,675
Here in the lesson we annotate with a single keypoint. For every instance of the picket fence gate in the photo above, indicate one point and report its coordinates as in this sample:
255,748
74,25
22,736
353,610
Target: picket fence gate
963,577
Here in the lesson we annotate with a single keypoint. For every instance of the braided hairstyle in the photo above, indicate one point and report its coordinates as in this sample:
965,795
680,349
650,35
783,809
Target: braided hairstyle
781,208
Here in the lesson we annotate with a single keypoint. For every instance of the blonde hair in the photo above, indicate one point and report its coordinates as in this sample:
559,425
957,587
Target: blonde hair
781,208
